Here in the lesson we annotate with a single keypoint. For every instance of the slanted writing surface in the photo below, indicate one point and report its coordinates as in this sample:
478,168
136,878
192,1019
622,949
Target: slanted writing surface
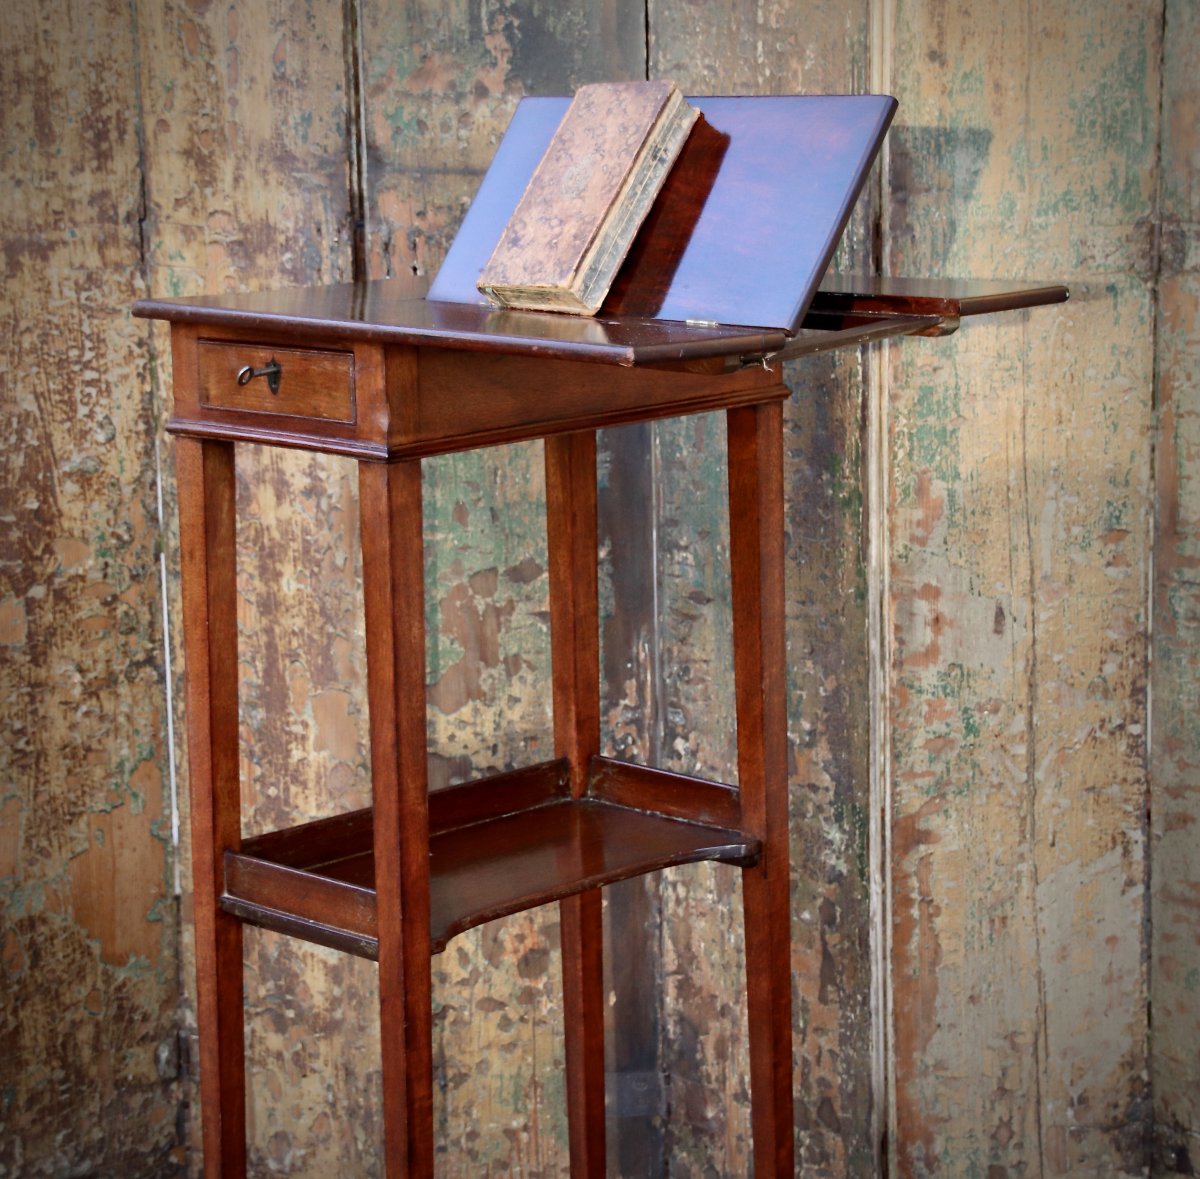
743,231
592,189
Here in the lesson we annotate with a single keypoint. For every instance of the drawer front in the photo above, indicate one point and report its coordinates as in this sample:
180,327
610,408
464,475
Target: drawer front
309,383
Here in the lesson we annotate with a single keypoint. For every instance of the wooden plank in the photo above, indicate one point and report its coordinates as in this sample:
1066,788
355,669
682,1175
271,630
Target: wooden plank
1175,685
440,81
393,311
247,185
319,879
716,47
1018,530
951,298
663,792
88,937
632,723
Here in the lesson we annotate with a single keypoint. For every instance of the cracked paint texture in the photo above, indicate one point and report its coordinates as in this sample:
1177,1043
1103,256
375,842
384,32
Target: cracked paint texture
1019,522
88,928
1175,754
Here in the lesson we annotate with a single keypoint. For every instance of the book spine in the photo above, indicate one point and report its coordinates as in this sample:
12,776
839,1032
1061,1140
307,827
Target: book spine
537,299
633,204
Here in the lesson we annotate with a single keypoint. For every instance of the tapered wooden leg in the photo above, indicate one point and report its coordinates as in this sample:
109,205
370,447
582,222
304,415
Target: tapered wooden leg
206,533
583,1018
756,556
393,584
575,646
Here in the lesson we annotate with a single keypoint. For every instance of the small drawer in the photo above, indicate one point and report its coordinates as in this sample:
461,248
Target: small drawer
297,382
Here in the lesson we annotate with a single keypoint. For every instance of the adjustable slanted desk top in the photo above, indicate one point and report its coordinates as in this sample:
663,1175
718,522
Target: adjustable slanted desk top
382,373
728,264
744,226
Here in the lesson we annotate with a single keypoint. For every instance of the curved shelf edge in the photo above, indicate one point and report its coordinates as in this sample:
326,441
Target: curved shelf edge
477,873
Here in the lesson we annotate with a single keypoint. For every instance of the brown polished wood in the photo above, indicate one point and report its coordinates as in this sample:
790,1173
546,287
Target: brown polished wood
571,542
208,561
480,400
392,311
410,402
495,795
303,382
665,793
950,298
393,593
387,312
319,878
756,555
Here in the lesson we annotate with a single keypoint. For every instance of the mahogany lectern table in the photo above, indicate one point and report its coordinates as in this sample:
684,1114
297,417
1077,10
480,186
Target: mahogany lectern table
386,375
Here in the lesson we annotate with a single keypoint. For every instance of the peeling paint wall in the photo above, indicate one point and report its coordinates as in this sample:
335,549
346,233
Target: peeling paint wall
247,185
1019,526
88,927
720,48
1175,757
186,146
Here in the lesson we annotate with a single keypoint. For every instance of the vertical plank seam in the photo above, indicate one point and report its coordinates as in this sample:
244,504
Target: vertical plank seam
1150,1134
139,130
168,677
1041,1046
1156,251
656,734
356,129
153,361
657,728
655,723
879,768
882,1108
646,40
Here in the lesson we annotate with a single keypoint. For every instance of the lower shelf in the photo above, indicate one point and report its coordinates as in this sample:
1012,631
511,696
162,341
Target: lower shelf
317,881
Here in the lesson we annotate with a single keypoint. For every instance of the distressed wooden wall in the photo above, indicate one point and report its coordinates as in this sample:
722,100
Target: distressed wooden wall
1019,517
1175,750
971,875
711,50
88,927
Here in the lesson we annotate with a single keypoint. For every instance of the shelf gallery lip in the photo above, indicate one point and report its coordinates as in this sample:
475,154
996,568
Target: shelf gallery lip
498,845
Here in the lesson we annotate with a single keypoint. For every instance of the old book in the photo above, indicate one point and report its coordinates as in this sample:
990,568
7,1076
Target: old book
744,228
574,224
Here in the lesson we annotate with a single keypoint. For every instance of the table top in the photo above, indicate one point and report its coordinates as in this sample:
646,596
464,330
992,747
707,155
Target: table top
394,311
846,310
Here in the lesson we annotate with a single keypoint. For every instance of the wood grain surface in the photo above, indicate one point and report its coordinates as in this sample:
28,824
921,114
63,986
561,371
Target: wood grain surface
89,930
1018,532
246,186
440,83
975,847
717,48
1175,681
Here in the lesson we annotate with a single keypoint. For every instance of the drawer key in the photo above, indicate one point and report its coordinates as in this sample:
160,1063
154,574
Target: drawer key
272,370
